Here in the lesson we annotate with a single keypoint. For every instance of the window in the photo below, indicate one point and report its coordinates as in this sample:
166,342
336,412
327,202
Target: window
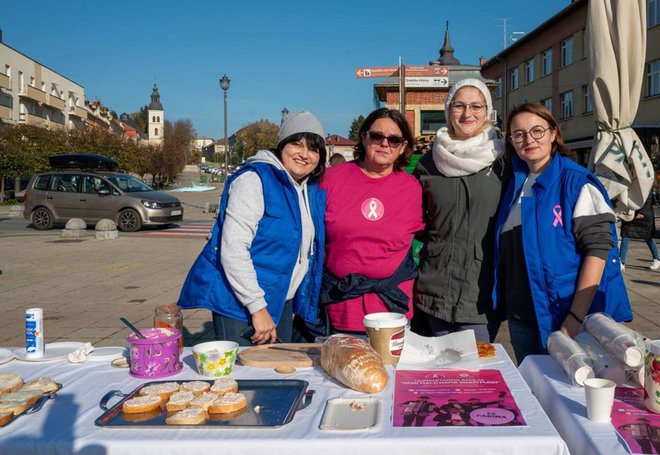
93,184
153,118
155,131
529,71
546,62
547,103
41,182
432,121
514,79
653,13
567,52
653,78
587,106
67,183
498,89
32,80
21,81
566,99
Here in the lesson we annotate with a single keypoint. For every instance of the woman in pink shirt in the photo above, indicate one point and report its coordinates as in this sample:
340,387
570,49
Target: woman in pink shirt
373,210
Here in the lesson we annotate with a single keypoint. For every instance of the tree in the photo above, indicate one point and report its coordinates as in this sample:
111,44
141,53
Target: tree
176,151
354,132
141,118
261,135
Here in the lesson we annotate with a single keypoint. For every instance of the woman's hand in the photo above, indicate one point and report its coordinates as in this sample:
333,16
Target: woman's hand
571,326
264,327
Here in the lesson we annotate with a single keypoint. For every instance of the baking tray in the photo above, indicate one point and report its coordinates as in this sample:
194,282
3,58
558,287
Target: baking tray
35,407
352,414
272,403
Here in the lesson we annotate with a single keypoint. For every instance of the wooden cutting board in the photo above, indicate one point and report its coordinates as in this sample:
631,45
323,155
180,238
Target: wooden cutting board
297,355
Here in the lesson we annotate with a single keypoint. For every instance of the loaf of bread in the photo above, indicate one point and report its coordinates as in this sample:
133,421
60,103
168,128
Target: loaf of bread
354,363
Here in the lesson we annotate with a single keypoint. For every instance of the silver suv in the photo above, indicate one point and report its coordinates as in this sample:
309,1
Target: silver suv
57,196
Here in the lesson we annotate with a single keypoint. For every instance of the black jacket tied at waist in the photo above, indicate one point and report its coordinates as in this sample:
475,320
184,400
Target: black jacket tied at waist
334,289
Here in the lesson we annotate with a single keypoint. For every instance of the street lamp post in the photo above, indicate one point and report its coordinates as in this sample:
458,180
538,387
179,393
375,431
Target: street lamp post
285,112
224,85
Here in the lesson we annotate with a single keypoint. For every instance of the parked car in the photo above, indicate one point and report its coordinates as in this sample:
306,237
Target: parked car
79,189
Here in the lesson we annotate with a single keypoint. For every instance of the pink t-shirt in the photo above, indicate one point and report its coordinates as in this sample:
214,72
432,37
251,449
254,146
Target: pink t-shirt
370,224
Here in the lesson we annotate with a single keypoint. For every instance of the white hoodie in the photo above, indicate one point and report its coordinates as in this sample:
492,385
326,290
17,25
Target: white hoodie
245,208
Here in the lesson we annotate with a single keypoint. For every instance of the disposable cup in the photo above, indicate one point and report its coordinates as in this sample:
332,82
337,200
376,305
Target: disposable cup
600,399
386,332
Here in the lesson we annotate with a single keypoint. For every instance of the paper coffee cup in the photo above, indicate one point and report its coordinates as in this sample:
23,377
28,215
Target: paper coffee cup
600,399
386,333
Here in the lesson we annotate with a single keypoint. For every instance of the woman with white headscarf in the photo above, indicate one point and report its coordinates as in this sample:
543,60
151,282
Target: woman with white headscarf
462,183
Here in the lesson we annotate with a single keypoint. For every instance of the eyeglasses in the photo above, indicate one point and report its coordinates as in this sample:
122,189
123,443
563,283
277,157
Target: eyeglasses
536,133
378,138
459,108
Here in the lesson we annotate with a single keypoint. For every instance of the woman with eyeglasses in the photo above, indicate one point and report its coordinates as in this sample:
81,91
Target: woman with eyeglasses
373,210
556,258
461,182
261,270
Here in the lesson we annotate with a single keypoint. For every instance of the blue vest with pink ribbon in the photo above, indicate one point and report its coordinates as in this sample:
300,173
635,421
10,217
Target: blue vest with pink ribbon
552,258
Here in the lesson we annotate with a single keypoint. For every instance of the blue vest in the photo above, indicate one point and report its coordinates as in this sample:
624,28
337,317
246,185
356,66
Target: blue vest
274,252
553,261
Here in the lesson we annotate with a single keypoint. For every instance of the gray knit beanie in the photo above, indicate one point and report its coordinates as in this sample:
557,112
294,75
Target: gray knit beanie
300,122
476,83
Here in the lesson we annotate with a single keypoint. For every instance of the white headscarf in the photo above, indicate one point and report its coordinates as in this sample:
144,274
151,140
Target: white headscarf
456,158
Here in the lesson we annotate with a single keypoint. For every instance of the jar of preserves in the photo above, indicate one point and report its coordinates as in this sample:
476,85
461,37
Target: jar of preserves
170,316
652,378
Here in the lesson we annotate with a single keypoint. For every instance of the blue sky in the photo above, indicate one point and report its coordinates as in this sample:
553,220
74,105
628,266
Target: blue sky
294,54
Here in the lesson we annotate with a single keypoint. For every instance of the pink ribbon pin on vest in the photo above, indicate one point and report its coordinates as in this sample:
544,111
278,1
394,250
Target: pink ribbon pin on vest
556,210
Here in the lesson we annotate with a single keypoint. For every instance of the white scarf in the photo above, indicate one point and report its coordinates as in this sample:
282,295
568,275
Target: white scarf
456,158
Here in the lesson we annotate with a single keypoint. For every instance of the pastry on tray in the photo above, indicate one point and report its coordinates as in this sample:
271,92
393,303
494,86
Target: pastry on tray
190,416
224,385
228,403
145,403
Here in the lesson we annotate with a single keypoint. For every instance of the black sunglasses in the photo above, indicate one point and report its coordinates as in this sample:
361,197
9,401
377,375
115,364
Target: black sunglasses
378,138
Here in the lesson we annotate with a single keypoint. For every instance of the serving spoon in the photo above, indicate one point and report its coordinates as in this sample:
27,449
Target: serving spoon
133,328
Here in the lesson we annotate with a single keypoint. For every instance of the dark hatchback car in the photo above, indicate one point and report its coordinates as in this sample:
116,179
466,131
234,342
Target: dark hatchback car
92,192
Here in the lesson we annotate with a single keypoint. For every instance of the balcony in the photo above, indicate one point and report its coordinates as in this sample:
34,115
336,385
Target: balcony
56,102
32,120
4,82
77,112
55,125
5,113
34,94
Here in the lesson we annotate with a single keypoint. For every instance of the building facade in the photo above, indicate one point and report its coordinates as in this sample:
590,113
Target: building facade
33,94
425,106
549,66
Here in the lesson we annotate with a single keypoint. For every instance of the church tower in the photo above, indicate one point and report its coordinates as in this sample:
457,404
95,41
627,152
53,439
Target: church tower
156,118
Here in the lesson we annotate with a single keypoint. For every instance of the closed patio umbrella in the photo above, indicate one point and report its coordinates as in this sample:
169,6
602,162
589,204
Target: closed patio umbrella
616,49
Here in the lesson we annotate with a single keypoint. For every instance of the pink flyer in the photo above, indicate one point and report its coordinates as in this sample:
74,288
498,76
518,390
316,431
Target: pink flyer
453,398
639,428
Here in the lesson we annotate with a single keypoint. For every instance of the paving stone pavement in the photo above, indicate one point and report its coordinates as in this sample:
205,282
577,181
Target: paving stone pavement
85,286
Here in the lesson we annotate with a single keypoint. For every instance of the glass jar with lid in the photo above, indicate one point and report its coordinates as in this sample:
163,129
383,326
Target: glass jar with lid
170,316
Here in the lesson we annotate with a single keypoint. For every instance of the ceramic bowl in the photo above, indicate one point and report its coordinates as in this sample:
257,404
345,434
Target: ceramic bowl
215,358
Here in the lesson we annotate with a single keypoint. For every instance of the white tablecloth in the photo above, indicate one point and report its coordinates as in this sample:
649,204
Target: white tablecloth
565,405
66,424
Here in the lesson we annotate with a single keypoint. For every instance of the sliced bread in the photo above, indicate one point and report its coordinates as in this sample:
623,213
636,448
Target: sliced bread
196,387
224,385
229,402
163,390
5,417
45,385
190,416
10,382
22,395
15,407
204,400
145,403
179,400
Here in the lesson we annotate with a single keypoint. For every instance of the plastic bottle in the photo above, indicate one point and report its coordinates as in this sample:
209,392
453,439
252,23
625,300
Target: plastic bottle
34,333
652,378
170,316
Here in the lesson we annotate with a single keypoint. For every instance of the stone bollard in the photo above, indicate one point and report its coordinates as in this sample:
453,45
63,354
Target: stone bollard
106,230
75,228
15,211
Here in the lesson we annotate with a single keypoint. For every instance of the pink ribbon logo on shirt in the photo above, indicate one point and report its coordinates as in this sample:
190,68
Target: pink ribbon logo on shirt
372,209
556,210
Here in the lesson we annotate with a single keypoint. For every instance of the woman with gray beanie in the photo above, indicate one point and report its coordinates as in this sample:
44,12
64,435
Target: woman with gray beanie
462,184
264,261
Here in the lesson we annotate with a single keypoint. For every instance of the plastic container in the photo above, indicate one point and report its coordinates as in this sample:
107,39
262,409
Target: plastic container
170,316
156,356
34,333
652,378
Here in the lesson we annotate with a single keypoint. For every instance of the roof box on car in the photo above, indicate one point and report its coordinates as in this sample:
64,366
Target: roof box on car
82,161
